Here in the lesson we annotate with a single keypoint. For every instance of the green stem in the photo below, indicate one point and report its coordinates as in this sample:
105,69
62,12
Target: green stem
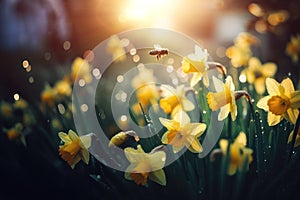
294,136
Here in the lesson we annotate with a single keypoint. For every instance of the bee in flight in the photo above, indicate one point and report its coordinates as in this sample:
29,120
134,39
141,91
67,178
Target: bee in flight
158,51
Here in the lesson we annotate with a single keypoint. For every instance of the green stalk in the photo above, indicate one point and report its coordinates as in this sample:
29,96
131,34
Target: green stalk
294,136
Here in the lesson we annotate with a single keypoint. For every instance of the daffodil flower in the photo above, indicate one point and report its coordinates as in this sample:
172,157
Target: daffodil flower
63,88
116,48
238,153
74,148
223,99
282,102
48,95
15,133
182,133
6,109
174,98
146,90
145,165
256,73
81,70
197,64
293,48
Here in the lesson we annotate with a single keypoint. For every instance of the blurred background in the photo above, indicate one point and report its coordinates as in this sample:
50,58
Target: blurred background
39,39
49,34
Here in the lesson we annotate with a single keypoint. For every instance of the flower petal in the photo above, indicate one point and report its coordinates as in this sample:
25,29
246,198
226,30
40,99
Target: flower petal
195,146
219,85
273,87
229,82
158,176
86,141
232,169
85,156
295,99
182,118
259,85
273,119
288,86
263,103
64,137
224,111
73,135
169,124
223,145
196,78
269,69
292,115
241,139
187,104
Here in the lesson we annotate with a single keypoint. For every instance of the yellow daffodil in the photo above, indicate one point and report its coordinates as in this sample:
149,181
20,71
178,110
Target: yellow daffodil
116,48
74,148
240,52
81,70
238,153
48,95
282,102
146,90
145,165
297,141
223,99
293,48
174,98
182,133
6,109
63,88
15,133
20,104
197,64
256,73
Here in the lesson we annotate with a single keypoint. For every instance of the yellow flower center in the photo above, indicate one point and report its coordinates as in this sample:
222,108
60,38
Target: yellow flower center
216,100
69,151
169,103
13,134
278,105
139,178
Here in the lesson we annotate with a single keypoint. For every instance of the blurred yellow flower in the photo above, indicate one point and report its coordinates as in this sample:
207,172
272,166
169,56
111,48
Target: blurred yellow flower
282,102
146,90
182,133
20,104
48,95
74,148
293,48
15,133
240,52
223,99
238,153
81,70
116,48
6,109
174,98
63,88
145,165
197,64
256,73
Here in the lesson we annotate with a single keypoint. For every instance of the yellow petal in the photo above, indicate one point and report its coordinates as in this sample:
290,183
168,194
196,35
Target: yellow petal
197,129
176,149
164,138
273,119
73,136
223,145
182,118
224,111
254,64
219,85
229,82
85,156
158,176
86,141
187,104
241,139
269,69
195,146
232,169
292,115
250,75
64,137
273,87
263,103
157,160
295,99
169,124
259,85
196,78
288,86
205,79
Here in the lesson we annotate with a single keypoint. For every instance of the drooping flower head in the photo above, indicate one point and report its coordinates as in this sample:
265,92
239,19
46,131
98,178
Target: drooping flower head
75,148
182,133
145,165
223,99
197,64
256,73
173,99
238,153
282,102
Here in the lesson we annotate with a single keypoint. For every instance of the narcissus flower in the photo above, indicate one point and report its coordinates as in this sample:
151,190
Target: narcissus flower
81,70
182,133
293,48
282,102
48,95
238,153
256,73
240,52
15,133
6,109
197,64
63,88
223,99
145,165
174,98
74,148
116,48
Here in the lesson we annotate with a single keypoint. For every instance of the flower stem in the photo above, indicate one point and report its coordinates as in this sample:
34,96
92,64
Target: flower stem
296,128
